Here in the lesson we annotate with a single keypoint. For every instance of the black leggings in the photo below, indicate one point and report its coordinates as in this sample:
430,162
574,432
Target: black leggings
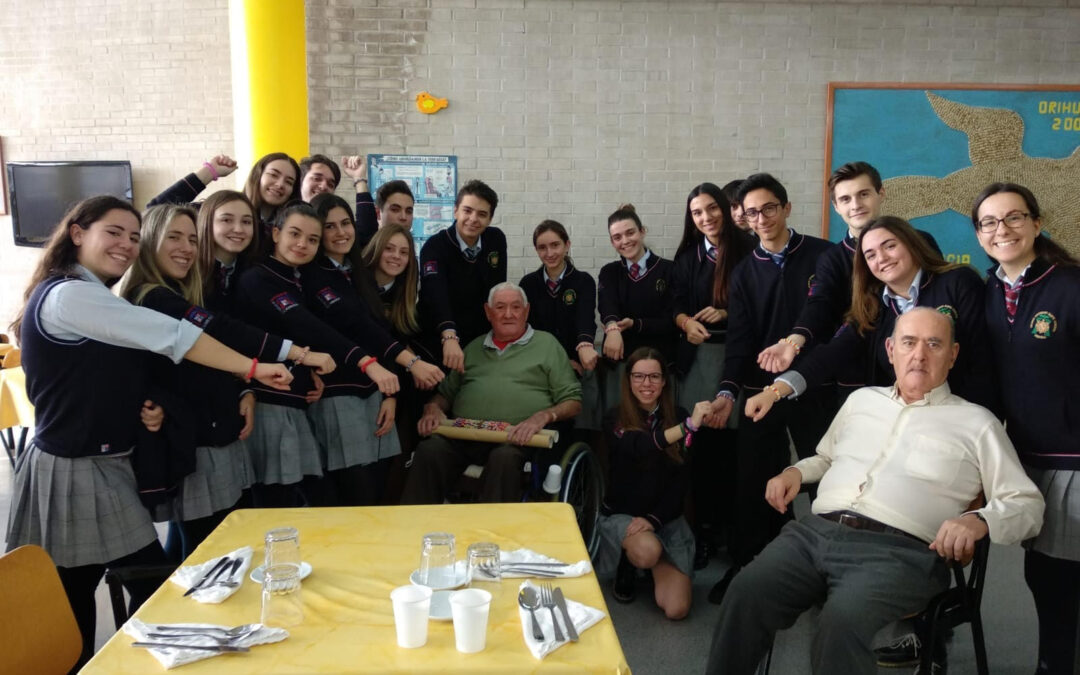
311,491
1055,586
81,582
360,485
185,536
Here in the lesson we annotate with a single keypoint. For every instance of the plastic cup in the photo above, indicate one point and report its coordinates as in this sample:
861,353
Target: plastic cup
470,609
282,606
412,604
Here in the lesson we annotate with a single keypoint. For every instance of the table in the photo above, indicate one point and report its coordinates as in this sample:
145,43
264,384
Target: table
359,555
15,410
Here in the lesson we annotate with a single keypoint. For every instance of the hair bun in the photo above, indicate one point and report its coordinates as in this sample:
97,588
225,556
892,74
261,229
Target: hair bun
626,207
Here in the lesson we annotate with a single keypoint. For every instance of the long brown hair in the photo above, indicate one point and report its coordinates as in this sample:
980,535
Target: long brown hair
204,229
732,247
145,274
403,311
631,417
1045,248
866,288
61,254
251,186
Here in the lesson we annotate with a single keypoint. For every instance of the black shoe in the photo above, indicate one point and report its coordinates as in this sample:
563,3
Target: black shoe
716,595
903,653
625,588
702,552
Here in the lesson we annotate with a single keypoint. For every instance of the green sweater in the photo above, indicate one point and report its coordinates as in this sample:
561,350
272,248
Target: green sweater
513,385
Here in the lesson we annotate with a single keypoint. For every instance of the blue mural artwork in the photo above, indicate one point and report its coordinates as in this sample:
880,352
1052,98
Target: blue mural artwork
938,146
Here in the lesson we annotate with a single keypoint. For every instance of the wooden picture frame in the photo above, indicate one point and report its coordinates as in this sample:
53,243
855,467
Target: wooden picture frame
937,145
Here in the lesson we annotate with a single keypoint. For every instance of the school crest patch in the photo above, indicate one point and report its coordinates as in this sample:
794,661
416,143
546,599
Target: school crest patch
569,296
661,285
493,258
618,431
283,302
1043,325
198,316
327,296
811,286
431,267
949,311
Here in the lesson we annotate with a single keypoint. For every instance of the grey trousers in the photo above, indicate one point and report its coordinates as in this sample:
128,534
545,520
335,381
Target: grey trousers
438,463
865,581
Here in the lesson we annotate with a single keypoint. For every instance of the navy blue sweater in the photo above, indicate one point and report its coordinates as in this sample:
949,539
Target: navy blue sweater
646,300
1038,357
765,301
568,312
645,482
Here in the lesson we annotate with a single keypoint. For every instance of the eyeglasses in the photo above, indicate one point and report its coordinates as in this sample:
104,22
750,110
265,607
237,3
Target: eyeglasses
1012,220
655,378
767,210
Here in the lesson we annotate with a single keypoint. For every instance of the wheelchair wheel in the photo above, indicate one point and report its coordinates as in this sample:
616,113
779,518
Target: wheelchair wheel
583,488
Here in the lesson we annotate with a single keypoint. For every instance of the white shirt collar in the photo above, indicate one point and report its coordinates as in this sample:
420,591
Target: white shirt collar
932,397
913,292
489,341
640,263
562,274
1000,274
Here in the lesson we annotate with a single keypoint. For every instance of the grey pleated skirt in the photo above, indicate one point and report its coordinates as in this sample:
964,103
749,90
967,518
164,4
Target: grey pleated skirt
282,446
220,476
703,378
82,511
676,538
610,375
345,428
592,409
1060,533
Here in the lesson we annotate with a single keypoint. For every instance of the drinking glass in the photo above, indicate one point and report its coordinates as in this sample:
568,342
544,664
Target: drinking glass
485,570
281,603
283,547
437,558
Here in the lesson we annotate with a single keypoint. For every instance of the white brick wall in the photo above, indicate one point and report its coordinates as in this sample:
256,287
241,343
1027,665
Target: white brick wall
570,108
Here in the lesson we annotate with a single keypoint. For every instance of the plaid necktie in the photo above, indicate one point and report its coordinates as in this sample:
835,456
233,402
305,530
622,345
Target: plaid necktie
651,420
635,272
1012,296
553,285
471,253
778,258
711,255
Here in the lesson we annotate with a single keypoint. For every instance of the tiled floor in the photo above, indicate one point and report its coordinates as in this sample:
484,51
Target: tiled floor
655,645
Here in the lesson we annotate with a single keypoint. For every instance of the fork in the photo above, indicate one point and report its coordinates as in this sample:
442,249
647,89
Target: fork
547,600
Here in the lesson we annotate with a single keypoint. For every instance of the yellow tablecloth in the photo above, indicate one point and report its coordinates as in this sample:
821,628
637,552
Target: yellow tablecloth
15,408
359,555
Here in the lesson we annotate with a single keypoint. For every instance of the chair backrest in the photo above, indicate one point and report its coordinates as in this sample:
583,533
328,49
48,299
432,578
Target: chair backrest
13,358
38,633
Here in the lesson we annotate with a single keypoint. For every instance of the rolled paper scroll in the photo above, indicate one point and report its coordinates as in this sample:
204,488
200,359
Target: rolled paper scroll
490,431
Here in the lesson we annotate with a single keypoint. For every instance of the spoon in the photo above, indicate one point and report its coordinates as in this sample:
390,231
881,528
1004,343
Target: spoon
221,635
529,599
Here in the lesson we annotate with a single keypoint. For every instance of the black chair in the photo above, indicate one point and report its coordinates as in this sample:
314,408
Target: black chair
116,577
960,603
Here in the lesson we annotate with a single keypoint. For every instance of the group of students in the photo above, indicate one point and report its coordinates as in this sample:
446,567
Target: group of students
337,331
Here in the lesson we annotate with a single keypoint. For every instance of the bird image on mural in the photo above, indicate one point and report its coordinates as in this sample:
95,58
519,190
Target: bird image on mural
995,137
428,104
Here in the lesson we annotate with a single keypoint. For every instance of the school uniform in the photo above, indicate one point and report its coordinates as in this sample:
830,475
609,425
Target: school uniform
283,447
455,281
644,483
184,191
1037,350
367,220
344,419
566,308
957,293
767,293
74,495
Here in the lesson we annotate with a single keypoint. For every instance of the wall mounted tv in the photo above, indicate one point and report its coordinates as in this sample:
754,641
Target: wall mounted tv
42,192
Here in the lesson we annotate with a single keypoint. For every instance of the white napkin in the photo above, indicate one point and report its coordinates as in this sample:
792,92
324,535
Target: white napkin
171,658
583,616
186,577
526,556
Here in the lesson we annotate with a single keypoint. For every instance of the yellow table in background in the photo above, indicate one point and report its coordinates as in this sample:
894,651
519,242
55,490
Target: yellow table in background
15,409
358,556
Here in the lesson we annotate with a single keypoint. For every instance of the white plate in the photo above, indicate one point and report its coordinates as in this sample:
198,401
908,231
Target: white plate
440,606
459,580
257,573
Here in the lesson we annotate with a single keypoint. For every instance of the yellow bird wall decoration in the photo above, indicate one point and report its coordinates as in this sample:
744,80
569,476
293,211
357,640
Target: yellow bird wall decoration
428,104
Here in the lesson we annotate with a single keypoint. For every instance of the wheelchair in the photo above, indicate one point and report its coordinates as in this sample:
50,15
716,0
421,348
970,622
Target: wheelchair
582,485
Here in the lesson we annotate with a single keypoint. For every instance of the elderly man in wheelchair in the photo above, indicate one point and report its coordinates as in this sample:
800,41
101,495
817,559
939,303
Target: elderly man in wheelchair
514,374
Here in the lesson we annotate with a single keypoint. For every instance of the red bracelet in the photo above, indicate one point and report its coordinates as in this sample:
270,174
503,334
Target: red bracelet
367,362
251,373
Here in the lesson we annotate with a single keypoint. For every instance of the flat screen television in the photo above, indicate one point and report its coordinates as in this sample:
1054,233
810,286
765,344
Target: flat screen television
42,192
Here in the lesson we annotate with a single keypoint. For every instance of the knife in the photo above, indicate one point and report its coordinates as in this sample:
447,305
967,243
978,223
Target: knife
560,601
173,645
530,571
218,567
526,563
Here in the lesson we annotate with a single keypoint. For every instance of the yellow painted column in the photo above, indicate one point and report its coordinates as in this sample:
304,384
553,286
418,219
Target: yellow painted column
269,78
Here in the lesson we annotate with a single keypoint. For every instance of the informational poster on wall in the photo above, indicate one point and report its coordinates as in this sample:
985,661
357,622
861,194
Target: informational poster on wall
433,181
938,145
